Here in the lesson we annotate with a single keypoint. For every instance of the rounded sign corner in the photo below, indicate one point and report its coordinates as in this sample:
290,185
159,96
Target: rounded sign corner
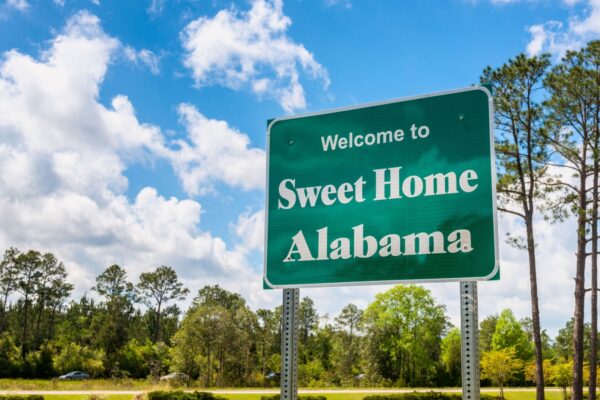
268,283
272,123
484,90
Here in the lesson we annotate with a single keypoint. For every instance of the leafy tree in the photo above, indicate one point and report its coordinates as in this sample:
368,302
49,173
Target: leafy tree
308,318
111,326
158,288
73,357
112,284
214,341
8,275
487,327
563,344
186,353
76,324
349,319
451,356
404,328
510,334
531,371
215,295
268,338
144,359
10,357
348,352
52,291
499,366
523,157
561,374
28,276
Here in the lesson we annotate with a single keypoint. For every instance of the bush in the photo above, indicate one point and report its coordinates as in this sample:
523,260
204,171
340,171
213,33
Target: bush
179,395
304,397
424,396
29,397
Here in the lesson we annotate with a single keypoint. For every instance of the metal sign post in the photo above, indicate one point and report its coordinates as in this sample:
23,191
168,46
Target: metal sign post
469,349
289,344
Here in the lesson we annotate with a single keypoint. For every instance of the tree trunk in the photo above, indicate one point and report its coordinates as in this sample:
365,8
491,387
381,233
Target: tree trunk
25,332
3,316
594,295
157,333
535,310
577,390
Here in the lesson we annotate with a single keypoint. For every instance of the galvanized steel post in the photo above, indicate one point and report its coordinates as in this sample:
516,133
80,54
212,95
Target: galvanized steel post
469,341
289,344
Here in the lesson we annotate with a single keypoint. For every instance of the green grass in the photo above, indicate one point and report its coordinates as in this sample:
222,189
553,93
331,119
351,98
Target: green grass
550,395
92,384
87,397
146,385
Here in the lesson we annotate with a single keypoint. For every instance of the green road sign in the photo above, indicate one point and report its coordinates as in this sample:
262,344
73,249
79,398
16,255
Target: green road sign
397,191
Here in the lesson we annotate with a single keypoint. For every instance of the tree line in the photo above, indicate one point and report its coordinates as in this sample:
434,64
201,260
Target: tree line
548,146
403,338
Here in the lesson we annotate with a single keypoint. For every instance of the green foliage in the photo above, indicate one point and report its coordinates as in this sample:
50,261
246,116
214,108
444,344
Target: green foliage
423,396
499,366
510,334
487,327
74,357
404,327
300,397
27,397
157,288
215,338
10,356
451,357
179,395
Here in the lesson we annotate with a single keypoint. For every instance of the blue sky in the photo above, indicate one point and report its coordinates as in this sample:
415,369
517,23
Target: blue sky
134,131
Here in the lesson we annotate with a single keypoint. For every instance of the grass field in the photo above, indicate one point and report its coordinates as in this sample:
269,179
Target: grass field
15,385
510,395
92,384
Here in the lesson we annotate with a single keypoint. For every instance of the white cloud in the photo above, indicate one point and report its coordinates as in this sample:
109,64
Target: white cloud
156,7
20,5
250,228
215,152
342,3
63,158
557,37
252,48
144,57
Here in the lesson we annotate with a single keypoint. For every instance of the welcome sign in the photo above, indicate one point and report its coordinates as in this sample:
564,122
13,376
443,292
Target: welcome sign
389,192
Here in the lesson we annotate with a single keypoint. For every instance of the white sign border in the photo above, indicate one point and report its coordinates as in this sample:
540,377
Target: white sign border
373,104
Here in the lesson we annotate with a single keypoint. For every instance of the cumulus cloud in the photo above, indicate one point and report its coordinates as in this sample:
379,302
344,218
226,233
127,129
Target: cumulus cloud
251,49
557,37
215,151
63,157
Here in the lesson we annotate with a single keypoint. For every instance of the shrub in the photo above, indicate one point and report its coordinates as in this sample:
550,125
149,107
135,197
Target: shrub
29,397
424,396
179,395
304,397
